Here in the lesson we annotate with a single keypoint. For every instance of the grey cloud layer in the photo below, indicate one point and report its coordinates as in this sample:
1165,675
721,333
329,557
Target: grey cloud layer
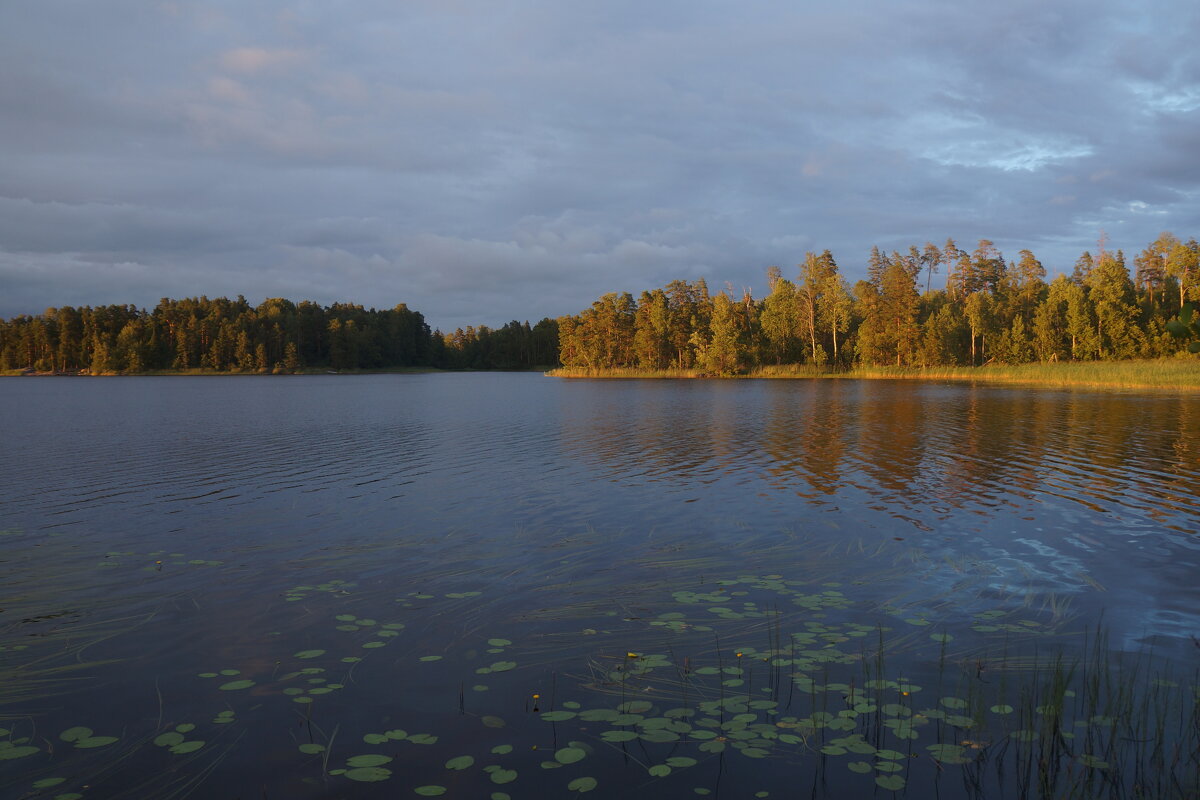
484,163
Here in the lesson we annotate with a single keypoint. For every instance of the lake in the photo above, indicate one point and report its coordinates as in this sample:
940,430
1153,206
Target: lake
512,586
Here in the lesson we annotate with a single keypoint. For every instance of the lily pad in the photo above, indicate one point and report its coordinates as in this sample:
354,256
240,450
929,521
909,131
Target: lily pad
432,790
368,774
461,762
95,741
368,760
187,747
306,654
234,686
892,783
9,753
502,776
584,784
75,734
569,755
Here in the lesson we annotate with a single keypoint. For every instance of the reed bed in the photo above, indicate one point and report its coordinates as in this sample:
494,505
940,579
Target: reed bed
1164,373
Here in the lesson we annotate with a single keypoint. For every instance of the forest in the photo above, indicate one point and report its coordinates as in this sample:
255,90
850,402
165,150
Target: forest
277,336
992,310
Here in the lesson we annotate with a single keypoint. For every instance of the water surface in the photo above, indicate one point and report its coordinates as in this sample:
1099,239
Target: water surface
625,538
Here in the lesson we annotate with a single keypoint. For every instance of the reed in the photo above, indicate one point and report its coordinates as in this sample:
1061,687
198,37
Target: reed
1163,373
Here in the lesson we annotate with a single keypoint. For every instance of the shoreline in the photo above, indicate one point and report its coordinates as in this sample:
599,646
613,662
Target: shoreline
1176,374
209,373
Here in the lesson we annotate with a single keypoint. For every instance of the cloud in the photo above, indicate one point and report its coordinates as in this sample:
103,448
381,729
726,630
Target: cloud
257,60
485,165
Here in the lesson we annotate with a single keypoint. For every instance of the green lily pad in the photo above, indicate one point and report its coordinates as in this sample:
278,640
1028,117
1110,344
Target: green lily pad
95,741
1001,709
502,749
168,739
306,654
680,762
367,760
311,748
9,753
584,784
558,716
569,755
432,790
861,767
187,747
46,783
660,770
75,734
499,642
635,707
892,783
502,776
461,762
234,686
490,721
368,774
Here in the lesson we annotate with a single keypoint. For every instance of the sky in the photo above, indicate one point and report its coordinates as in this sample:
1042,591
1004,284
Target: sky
484,162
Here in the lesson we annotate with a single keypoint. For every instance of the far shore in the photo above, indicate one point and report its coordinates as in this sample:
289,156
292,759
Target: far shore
28,373
1177,374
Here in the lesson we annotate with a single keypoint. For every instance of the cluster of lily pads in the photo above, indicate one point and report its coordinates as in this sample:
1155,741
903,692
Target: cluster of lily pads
753,667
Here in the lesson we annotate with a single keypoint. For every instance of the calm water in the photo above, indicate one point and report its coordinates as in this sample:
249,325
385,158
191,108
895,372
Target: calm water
535,584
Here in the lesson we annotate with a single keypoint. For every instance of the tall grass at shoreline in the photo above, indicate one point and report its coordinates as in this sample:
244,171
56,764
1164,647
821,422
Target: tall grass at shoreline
1166,373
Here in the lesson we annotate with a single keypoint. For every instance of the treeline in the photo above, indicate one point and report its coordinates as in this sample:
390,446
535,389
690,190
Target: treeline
991,309
275,336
